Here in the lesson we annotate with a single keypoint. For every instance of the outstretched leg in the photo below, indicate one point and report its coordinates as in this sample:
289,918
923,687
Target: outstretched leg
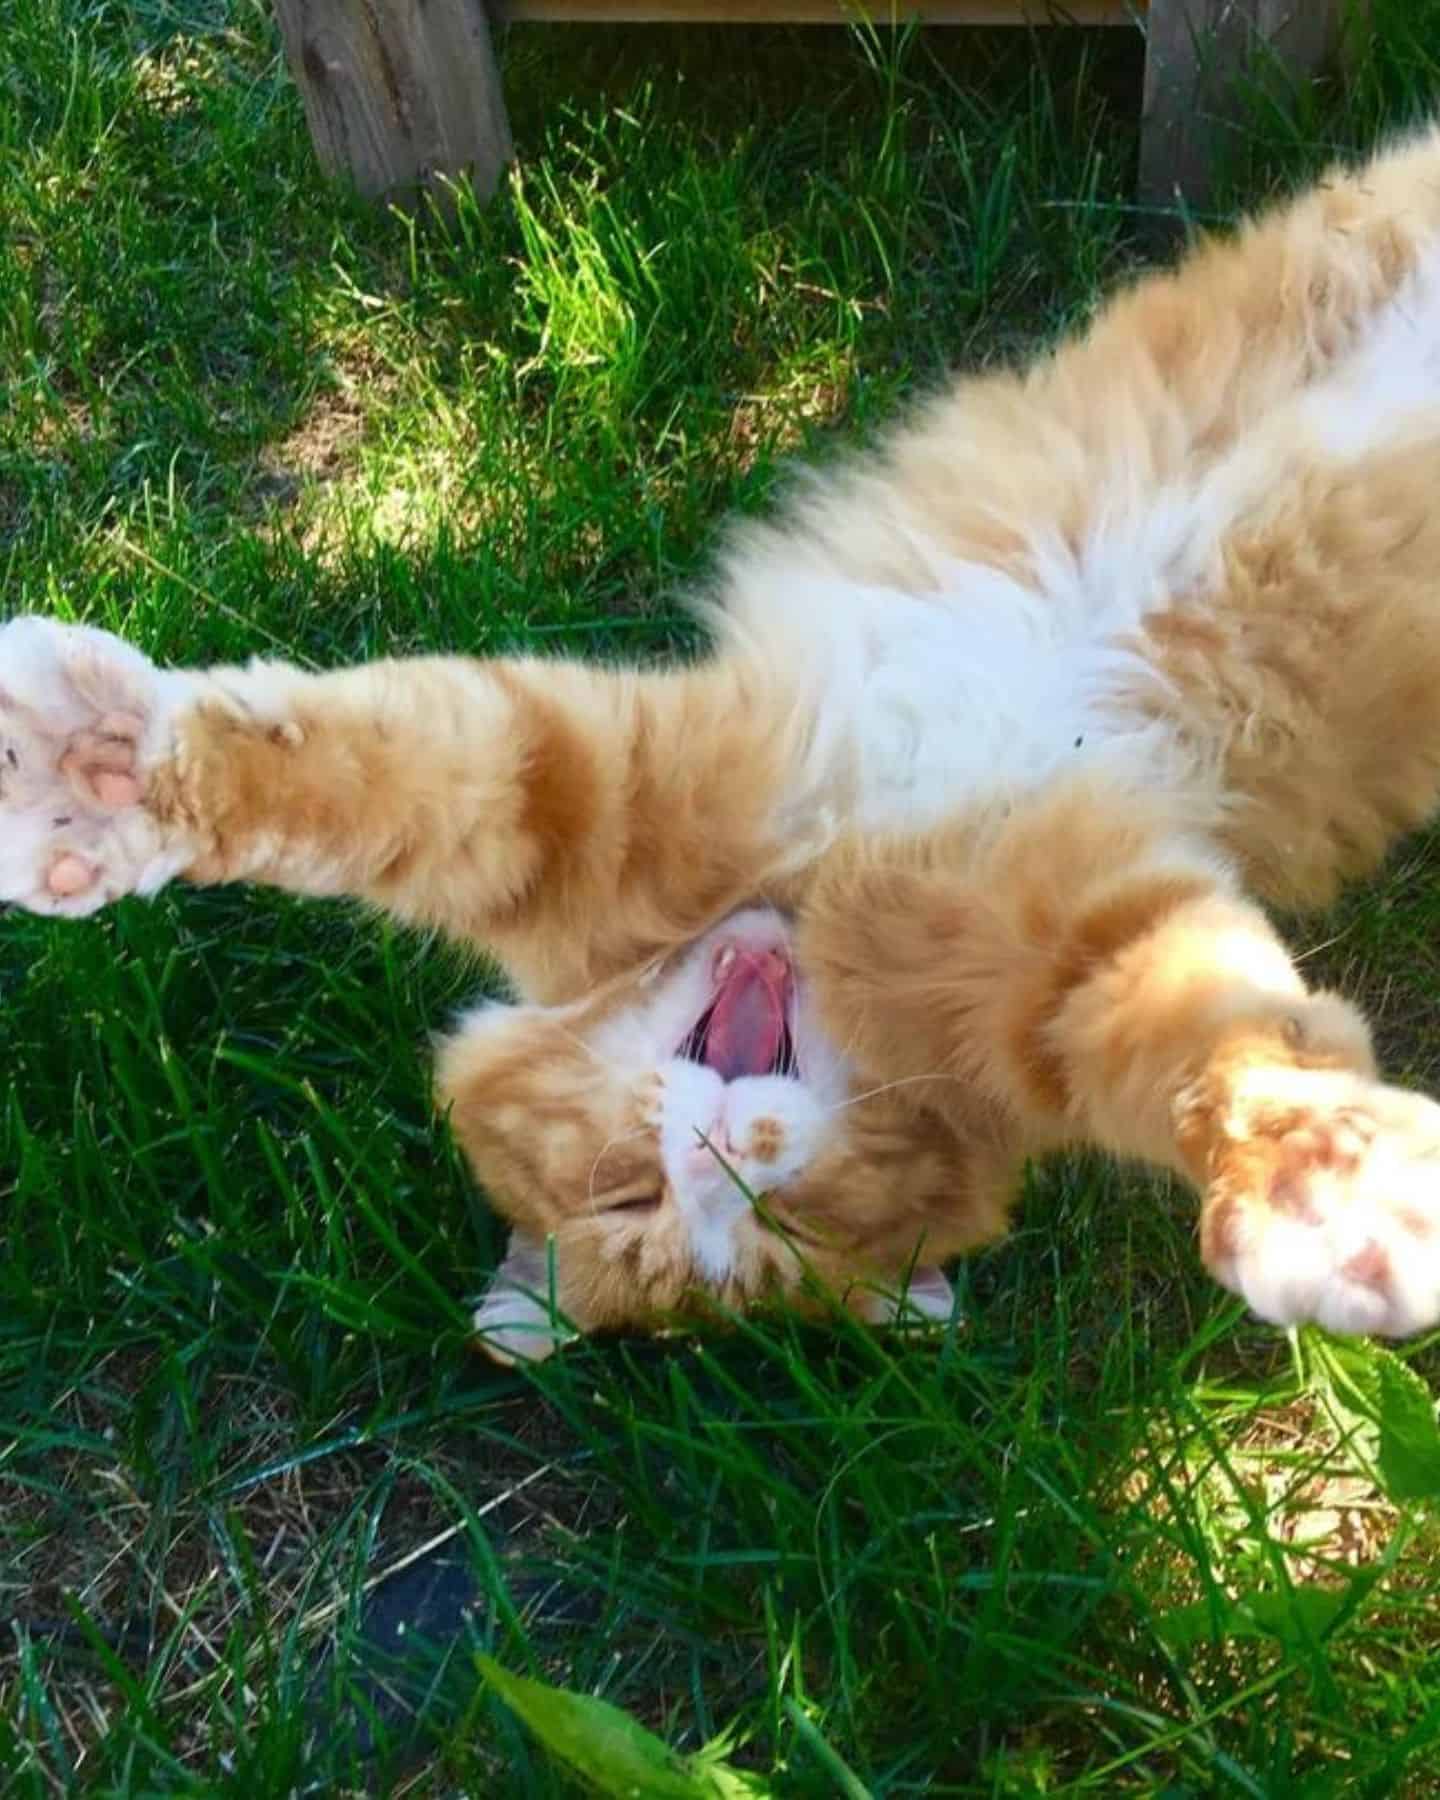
1099,979
572,819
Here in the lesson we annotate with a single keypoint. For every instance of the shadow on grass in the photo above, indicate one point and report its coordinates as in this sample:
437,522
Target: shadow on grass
712,234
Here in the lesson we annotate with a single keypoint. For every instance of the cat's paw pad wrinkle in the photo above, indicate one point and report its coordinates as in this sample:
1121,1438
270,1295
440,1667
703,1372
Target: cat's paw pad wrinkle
1325,1202
83,718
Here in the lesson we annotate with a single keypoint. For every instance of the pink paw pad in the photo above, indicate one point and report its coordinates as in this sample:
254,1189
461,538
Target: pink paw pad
70,875
81,718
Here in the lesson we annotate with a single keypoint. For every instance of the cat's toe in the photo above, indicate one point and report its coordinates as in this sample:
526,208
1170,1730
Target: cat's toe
1328,1208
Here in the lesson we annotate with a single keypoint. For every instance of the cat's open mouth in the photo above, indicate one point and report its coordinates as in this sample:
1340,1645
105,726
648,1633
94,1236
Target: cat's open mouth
746,1028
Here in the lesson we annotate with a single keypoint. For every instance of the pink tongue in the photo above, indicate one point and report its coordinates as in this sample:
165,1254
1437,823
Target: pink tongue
747,1022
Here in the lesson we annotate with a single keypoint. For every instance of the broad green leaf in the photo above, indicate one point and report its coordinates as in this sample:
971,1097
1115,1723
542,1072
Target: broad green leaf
725,1783
1303,1613
617,1755
1379,1398
709,1764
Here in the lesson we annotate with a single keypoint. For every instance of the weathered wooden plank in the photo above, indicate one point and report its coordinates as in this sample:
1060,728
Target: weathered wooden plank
826,12
397,92
1196,51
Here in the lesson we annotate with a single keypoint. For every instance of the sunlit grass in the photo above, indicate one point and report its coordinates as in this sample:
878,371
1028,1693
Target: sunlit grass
1107,1536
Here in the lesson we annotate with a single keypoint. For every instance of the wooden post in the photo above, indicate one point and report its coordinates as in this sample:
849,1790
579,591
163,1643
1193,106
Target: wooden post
397,92
1195,52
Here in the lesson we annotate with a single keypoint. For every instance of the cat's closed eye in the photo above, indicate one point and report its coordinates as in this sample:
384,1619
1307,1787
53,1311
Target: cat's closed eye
645,1201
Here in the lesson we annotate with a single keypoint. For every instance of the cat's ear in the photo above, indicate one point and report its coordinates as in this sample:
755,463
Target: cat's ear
517,1319
927,1298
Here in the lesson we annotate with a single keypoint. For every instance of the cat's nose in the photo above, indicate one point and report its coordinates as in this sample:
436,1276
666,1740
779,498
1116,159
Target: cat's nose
713,1140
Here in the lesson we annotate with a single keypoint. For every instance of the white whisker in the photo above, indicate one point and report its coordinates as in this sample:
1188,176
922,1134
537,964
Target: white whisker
886,1086
580,1044
608,1145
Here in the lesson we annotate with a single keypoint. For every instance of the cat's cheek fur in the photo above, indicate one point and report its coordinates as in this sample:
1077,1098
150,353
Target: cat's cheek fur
779,1128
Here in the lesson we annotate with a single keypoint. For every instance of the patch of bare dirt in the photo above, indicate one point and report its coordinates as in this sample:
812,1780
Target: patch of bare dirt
1285,1480
321,448
776,424
186,1576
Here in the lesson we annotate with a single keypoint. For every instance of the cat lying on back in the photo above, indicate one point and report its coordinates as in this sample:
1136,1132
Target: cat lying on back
949,853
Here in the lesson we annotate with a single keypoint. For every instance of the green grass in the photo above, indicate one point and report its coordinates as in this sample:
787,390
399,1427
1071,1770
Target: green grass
1109,1537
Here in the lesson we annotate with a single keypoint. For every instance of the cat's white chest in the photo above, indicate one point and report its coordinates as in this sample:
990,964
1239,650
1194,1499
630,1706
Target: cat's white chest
947,706
938,704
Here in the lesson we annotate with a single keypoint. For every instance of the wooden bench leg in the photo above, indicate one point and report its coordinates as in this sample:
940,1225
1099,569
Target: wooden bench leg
398,93
1195,51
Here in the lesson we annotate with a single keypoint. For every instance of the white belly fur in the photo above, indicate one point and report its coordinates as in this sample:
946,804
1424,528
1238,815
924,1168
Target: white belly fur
982,687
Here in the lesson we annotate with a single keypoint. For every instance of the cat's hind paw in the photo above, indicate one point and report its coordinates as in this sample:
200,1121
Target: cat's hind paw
1325,1202
84,718
920,1300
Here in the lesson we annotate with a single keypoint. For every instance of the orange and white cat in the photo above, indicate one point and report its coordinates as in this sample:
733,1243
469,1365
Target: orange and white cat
948,853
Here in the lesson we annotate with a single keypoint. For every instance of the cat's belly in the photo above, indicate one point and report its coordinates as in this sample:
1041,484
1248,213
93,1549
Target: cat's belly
927,706
956,707
986,686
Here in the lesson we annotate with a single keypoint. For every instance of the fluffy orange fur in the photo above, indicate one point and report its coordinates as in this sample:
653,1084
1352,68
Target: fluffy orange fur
1079,960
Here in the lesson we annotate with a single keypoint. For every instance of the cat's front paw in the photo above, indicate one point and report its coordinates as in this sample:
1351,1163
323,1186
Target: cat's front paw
1325,1202
84,718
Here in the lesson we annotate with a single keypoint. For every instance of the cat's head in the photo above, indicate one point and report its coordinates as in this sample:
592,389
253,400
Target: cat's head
689,1134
